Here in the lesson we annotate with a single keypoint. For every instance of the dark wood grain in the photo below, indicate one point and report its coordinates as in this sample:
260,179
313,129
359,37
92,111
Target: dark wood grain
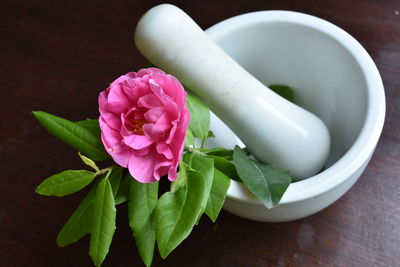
57,56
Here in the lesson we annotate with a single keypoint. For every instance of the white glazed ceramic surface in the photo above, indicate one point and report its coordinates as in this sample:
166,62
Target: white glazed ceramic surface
333,77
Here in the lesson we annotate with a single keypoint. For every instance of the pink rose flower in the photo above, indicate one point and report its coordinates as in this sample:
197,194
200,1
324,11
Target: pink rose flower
143,122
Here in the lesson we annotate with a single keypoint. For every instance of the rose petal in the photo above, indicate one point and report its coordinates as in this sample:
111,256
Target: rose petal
103,100
161,167
172,132
134,89
112,120
122,157
148,130
162,125
137,141
117,101
178,141
149,101
113,144
171,109
178,144
158,91
122,78
142,168
164,122
124,131
172,174
141,152
148,71
113,139
161,171
164,149
154,114
171,87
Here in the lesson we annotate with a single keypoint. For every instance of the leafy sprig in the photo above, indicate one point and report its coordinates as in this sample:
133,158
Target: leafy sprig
161,222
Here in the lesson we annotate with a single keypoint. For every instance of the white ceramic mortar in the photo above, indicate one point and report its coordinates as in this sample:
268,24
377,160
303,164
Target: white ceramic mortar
333,77
296,140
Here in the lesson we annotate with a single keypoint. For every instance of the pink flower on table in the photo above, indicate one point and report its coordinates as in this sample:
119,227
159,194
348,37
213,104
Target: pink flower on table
143,122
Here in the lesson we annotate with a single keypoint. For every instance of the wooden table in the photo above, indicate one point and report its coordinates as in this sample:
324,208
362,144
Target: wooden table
57,56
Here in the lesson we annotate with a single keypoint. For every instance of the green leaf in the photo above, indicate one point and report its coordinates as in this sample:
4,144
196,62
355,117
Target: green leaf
176,213
103,227
73,134
114,177
91,125
80,222
187,159
283,90
210,134
181,179
123,191
189,138
218,151
205,166
88,162
216,200
142,202
199,118
149,65
225,166
266,183
65,183
278,181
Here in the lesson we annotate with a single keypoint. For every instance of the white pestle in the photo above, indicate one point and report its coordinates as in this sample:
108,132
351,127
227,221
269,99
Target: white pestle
275,130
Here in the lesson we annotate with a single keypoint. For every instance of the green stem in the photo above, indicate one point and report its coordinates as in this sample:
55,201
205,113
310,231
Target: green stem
102,171
202,144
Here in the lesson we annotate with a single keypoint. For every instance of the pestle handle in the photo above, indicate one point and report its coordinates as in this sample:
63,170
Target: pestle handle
275,130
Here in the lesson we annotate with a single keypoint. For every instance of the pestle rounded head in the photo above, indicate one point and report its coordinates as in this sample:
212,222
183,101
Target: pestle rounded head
156,29
275,130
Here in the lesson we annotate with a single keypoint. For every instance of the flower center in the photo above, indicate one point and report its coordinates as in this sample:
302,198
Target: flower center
137,126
